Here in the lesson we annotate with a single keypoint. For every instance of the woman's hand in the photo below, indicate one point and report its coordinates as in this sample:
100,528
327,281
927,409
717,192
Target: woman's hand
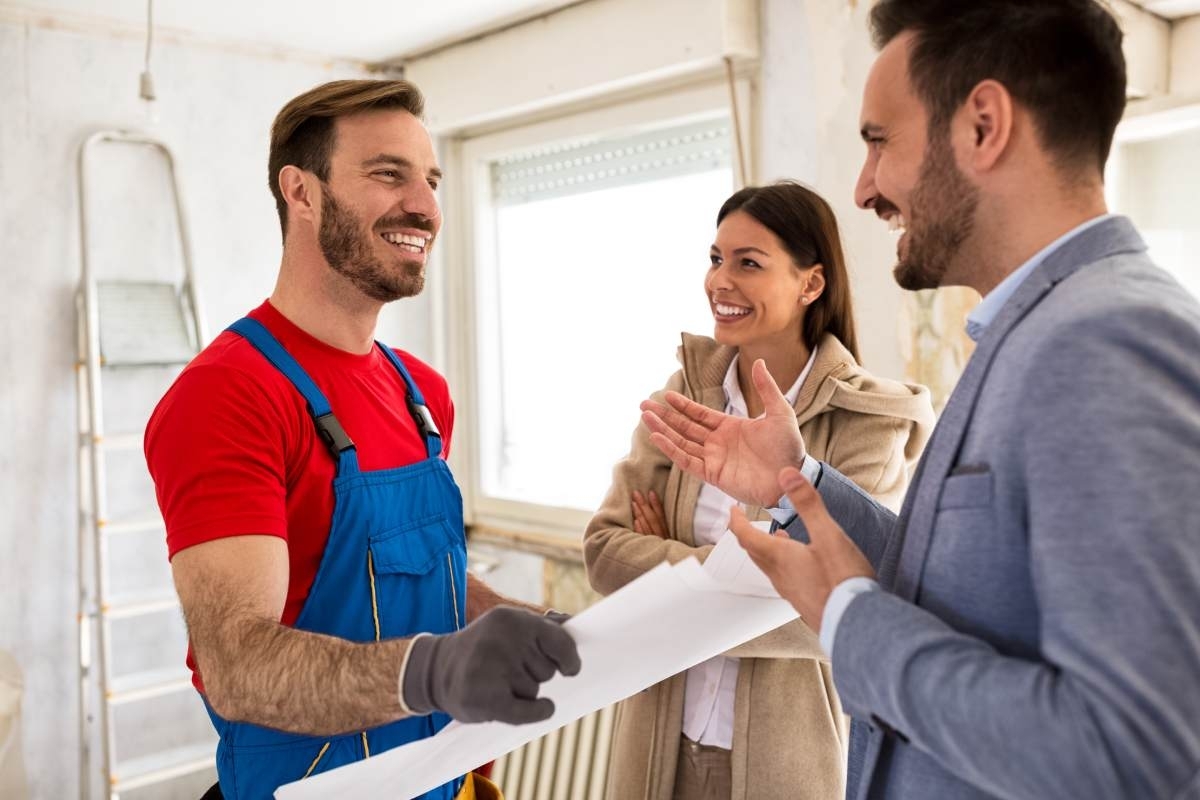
741,457
648,514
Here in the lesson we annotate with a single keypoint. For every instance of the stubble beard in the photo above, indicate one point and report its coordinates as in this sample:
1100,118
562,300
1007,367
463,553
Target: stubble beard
944,204
350,254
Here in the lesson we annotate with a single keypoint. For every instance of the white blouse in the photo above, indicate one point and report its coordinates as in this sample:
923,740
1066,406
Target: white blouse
708,698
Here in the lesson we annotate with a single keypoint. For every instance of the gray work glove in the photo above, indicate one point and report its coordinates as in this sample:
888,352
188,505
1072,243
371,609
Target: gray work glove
490,670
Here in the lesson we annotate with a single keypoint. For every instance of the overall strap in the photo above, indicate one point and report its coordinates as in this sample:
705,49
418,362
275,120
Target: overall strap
328,428
416,405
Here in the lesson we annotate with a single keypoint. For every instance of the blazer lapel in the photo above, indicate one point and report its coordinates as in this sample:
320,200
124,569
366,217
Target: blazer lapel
915,529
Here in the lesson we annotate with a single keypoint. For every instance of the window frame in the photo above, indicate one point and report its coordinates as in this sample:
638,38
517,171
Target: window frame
467,259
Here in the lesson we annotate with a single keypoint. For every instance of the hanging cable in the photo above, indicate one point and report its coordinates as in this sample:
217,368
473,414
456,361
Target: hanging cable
735,113
146,88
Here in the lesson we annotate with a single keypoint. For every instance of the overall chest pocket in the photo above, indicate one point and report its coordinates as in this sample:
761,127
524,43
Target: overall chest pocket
417,580
414,548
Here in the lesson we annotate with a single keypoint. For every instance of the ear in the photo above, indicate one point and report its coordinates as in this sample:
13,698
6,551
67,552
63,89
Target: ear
987,121
301,191
814,284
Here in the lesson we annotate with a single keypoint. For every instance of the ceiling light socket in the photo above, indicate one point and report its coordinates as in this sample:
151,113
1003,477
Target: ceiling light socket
146,86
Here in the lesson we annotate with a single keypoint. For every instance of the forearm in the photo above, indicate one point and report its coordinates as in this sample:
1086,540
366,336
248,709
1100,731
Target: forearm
616,556
259,671
481,598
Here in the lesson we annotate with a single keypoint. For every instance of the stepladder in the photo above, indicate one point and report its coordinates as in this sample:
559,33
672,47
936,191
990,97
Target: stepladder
143,732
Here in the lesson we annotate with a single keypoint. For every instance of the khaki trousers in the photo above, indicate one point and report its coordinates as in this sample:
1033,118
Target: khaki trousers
702,772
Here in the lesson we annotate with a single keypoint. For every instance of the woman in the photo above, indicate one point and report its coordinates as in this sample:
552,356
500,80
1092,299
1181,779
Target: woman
761,721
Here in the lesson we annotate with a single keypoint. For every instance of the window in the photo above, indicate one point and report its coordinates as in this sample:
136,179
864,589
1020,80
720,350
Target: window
589,252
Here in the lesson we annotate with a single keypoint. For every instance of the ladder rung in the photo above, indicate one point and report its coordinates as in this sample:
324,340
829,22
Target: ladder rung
160,767
135,605
109,363
138,686
142,323
140,524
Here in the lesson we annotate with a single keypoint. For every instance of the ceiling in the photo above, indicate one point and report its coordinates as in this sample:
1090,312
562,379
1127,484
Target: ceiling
358,30
1171,9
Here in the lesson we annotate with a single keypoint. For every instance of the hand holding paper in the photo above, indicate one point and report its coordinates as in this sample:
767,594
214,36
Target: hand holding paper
490,670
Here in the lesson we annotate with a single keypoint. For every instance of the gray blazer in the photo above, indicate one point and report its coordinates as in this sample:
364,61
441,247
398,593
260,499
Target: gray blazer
1039,632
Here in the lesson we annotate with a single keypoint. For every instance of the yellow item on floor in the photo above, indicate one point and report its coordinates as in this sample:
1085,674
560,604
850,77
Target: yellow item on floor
477,787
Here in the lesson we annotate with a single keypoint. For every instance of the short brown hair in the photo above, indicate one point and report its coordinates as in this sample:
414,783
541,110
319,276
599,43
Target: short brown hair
808,229
1061,59
303,132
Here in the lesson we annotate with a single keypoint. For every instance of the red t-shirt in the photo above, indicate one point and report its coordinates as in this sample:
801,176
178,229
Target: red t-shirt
233,450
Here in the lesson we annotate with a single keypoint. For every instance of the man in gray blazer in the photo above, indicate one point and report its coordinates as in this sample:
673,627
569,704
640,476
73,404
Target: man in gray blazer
1029,626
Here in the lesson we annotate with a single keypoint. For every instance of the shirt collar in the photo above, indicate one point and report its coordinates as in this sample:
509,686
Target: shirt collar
735,401
984,313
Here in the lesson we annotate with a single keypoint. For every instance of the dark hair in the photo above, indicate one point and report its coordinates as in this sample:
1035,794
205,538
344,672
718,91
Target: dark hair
303,132
805,224
1060,59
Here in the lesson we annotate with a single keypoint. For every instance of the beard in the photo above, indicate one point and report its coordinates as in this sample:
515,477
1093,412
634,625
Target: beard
943,207
351,255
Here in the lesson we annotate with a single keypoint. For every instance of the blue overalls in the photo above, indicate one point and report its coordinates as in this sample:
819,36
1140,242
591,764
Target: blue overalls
394,566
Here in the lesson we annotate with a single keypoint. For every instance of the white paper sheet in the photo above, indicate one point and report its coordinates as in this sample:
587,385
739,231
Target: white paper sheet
669,619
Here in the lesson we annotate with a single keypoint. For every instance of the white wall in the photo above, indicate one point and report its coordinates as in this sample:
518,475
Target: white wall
1156,187
215,107
1147,49
585,51
1185,56
815,59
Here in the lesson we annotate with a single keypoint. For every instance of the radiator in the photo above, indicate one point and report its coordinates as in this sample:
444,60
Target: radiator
569,764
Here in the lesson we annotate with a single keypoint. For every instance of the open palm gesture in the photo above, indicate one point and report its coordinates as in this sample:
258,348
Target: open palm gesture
741,457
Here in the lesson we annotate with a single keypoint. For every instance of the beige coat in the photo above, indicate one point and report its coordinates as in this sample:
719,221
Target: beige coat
789,732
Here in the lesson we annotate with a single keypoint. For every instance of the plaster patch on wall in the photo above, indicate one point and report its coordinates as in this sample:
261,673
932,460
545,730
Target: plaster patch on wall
566,586
933,338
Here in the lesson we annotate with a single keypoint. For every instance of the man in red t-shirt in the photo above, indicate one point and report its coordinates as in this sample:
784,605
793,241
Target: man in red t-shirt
314,531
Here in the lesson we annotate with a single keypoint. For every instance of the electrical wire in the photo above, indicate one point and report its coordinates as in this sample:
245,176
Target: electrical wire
735,113
146,82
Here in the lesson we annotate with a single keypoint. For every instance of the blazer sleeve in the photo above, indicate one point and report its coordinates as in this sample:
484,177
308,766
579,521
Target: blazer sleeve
1107,708
613,552
868,523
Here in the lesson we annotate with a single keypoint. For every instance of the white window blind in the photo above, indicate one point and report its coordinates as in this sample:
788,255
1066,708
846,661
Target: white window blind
591,259
589,166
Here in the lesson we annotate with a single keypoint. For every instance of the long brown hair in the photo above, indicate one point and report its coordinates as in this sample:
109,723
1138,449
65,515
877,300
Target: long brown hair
806,226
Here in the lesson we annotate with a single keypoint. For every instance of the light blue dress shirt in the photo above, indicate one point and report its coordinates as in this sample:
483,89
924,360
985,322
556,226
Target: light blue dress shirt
977,322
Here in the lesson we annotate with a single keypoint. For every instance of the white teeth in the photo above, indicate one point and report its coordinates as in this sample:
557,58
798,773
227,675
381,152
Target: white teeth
896,224
730,311
416,244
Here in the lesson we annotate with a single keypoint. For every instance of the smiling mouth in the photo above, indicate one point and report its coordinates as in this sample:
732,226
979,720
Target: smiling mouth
723,312
409,243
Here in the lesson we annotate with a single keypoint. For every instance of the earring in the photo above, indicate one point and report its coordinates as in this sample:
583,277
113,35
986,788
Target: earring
805,300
